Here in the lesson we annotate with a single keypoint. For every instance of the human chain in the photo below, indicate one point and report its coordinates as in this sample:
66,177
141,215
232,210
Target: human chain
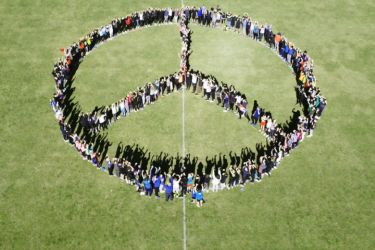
176,175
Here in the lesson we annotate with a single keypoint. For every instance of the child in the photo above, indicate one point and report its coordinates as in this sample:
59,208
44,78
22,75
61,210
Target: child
223,179
193,194
215,181
147,185
199,197
226,102
176,184
156,180
190,182
168,190
162,185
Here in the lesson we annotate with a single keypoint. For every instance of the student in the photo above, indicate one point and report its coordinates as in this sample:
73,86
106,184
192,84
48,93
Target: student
218,94
190,182
226,102
162,184
245,173
156,181
147,186
95,159
199,196
122,108
168,190
232,177
188,80
243,110
194,80
255,116
114,110
223,179
215,181
193,194
176,184
183,183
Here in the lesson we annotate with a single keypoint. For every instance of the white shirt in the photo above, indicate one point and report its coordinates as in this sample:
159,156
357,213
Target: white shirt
122,105
114,109
215,181
238,99
194,78
102,118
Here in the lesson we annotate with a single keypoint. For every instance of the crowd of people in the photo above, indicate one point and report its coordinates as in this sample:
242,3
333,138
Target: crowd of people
176,176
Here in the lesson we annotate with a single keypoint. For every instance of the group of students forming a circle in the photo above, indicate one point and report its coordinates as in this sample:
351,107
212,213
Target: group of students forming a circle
180,175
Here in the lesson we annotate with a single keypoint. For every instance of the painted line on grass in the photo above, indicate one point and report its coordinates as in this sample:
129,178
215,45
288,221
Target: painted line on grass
183,156
183,161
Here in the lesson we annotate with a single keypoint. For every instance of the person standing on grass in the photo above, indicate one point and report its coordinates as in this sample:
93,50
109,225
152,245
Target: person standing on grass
168,189
232,176
261,33
205,84
213,91
199,83
244,24
238,102
147,185
176,185
194,80
188,80
226,102
156,180
199,196
255,116
114,110
122,108
190,182
183,183
277,40
218,94
223,178
232,100
245,172
243,109
215,181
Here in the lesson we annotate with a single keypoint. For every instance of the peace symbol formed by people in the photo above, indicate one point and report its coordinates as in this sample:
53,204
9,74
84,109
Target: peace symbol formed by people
177,175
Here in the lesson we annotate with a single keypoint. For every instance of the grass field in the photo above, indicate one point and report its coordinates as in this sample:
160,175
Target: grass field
321,197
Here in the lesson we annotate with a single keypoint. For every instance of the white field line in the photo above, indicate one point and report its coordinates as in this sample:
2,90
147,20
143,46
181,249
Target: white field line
183,156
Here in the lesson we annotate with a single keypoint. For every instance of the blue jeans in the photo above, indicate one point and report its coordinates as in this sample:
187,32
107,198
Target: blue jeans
168,196
148,192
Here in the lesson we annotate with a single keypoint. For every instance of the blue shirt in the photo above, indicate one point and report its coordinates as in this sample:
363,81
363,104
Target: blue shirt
147,184
286,49
257,113
199,12
199,196
291,51
168,189
157,183
190,180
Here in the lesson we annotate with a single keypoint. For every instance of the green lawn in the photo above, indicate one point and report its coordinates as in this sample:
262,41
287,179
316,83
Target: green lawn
252,68
321,197
126,63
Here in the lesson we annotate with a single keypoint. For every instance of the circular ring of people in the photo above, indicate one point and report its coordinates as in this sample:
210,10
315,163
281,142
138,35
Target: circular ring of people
178,176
